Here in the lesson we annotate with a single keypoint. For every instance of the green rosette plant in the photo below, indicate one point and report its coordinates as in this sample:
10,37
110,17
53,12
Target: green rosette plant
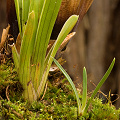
36,19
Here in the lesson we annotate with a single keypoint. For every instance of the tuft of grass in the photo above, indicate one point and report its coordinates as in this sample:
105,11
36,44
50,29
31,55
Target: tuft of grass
83,105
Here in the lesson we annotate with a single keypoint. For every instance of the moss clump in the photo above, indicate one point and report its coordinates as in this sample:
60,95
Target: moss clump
101,111
59,102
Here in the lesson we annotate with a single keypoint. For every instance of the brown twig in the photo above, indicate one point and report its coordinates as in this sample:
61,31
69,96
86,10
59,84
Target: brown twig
7,94
106,95
99,90
116,98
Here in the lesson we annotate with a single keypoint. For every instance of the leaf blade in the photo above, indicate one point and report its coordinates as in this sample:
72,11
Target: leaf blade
84,95
71,83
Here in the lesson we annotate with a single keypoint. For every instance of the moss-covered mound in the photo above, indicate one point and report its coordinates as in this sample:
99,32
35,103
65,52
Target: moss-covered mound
58,101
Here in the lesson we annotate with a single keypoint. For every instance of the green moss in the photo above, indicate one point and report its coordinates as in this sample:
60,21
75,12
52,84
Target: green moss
103,111
59,102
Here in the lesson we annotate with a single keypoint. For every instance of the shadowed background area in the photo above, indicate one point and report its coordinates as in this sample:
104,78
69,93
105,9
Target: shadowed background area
94,46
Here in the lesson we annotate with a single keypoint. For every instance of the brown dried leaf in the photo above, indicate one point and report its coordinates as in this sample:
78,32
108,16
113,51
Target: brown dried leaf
66,40
18,43
4,36
63,45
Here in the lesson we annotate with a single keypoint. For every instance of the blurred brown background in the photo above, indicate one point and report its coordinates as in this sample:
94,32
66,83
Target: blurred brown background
94,46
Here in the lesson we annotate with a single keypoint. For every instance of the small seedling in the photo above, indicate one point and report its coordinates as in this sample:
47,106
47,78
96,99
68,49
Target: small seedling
83,106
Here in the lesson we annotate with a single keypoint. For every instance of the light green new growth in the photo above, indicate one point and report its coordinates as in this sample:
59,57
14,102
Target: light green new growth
84,95
36,19
82,110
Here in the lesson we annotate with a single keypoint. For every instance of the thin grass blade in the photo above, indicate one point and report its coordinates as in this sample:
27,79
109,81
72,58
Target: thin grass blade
84,95
71,83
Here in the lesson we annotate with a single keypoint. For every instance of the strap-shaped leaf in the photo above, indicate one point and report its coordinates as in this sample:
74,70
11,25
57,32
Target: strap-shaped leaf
36,6
18,6
46,23
65,30
25,11
25,54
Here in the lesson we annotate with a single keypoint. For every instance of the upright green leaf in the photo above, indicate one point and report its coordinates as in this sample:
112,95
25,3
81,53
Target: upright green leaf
18,12
36,6
25,57
25,11
84,95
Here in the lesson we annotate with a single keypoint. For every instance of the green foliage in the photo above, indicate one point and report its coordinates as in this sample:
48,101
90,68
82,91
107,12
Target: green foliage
36,19
82,109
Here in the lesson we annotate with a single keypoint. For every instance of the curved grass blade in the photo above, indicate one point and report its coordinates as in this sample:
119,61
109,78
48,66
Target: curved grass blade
71,83
64,32
100,84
